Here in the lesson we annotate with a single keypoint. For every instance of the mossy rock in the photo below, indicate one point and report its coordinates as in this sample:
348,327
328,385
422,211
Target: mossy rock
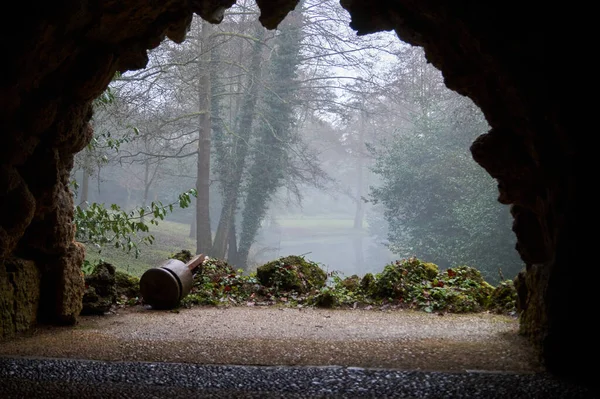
464,273
325,299
100,290
504,298
19,295
94,304
469,282
401,279
291,273
430,270
184,255
351,283
213,270
367,284
462,302
127,285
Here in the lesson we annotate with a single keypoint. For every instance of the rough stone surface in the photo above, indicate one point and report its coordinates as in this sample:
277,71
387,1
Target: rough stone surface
100,290
19,295
503,59
500,59
57,378
63,287
64,57
127,286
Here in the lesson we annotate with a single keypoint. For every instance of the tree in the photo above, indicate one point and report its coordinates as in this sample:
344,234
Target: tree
274,131
105,144
233,164
98,226
203,230
439,205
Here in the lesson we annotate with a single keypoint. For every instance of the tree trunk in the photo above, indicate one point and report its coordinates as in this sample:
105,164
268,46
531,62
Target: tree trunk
232,246
222,235
232,179
203,232
274,133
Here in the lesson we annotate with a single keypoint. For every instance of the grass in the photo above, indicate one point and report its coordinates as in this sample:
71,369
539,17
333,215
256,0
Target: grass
172,237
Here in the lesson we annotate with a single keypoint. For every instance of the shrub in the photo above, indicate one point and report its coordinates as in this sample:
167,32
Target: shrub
403,279
504,298
127,285
291,273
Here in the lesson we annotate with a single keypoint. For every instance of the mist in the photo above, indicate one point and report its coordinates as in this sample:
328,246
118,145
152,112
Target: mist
307,140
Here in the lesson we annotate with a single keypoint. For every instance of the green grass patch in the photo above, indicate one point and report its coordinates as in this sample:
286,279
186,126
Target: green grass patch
170,237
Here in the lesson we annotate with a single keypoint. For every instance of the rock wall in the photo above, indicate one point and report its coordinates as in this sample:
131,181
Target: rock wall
503,56
64,56
500,54
19,295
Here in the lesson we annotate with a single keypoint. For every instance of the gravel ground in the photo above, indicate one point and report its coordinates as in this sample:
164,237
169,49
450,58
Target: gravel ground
270,336
52,378
278,352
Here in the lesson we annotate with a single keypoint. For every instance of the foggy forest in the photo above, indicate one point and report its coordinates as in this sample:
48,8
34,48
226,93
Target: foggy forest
247,144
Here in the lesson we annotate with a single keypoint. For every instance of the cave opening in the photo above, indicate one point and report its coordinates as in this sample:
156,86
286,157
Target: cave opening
69,55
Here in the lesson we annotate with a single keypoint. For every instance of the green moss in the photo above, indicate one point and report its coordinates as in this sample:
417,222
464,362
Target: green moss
294,281
504,298
100,290
472,292
127,285
367,284
199,298
430,270
326,299
184,255
400,279
351,283
19,295
213,269
291,273
459,302
215,282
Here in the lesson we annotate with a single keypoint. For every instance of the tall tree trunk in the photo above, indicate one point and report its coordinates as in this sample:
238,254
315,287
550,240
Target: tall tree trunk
233,179
271,160
222,235
236,101
203,232
232,246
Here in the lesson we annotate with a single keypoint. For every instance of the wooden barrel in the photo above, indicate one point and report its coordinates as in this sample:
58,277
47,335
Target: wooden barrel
163,287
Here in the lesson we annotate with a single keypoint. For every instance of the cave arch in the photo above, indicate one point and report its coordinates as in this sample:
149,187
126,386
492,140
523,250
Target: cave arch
495,53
